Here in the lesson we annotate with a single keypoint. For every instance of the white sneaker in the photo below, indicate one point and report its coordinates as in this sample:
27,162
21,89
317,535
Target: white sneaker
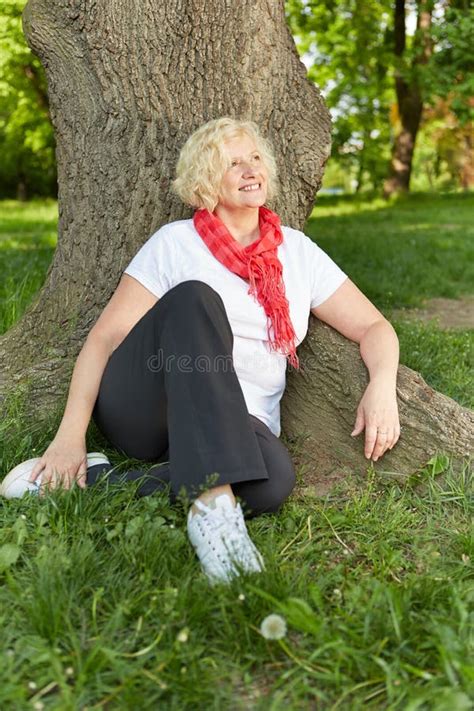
16,483
221,541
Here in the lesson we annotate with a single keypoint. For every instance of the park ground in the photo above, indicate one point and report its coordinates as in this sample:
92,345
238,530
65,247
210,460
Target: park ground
103,606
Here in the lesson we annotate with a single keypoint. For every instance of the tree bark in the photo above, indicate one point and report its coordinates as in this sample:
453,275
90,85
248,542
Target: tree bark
409,95
128,81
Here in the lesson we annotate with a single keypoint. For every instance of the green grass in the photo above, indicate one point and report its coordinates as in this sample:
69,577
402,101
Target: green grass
376,588
27,243
399,253
376,584
445,359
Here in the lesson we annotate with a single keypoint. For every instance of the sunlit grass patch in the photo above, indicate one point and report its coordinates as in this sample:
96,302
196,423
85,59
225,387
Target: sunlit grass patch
28,234
400,252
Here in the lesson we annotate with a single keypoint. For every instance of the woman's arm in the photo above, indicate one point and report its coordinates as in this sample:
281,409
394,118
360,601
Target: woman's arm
378,410
352,314
65,460
85,381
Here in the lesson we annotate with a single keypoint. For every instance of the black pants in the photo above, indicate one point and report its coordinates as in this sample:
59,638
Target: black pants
170,394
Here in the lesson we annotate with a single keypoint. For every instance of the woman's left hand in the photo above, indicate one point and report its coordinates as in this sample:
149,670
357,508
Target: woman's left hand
378,413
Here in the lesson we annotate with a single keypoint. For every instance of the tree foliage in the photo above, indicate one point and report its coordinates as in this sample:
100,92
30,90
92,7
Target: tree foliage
450,73
26,135
347,41
350,45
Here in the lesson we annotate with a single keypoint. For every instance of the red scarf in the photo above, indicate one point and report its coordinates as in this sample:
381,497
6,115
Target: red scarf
258,263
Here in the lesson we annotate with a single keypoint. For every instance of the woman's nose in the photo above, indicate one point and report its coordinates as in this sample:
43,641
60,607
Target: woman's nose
248,168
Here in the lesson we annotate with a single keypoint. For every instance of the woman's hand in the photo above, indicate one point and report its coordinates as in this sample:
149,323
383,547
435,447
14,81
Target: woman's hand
378,413
63,463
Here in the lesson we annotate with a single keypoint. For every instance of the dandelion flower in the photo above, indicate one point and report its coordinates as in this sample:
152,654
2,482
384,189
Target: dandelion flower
273,627
183,636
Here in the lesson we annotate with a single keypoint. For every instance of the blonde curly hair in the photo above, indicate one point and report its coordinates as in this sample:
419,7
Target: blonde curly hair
202,162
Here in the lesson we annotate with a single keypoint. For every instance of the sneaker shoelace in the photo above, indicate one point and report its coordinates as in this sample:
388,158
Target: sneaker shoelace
236,541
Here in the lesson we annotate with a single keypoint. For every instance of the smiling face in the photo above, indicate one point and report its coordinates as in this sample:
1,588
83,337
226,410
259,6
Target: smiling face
245,181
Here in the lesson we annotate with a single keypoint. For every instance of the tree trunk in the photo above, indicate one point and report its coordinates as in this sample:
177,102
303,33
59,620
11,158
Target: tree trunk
128,81
409,98
21,189
466,177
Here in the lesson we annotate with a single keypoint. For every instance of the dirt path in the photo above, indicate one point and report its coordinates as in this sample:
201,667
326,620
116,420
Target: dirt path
448,313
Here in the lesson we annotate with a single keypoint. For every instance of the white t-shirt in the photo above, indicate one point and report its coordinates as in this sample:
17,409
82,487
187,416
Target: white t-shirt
177,253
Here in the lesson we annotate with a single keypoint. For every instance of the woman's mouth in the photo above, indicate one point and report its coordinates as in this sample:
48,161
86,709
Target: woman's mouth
250,188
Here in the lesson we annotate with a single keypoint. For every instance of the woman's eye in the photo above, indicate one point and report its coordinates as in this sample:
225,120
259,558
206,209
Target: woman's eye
237,162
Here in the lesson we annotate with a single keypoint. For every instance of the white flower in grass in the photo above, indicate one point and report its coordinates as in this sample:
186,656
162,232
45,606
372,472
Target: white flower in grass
273,627
183,636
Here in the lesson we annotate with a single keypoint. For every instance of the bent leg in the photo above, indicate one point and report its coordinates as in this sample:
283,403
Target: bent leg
257,496
171,384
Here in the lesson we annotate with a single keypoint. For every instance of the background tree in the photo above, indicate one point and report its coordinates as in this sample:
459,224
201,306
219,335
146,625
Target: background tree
409,58
449,74
344,42
378,79
28,165
444,157
126,90
449,85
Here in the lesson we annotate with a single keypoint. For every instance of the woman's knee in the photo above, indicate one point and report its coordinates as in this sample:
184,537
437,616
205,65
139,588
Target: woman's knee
190,292
195,304
268,495
280,488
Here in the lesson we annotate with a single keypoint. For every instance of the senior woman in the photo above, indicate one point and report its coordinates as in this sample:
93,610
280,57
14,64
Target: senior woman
186,364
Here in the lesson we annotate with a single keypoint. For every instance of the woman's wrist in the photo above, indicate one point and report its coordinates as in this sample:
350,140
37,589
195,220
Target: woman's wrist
385,378
69,433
